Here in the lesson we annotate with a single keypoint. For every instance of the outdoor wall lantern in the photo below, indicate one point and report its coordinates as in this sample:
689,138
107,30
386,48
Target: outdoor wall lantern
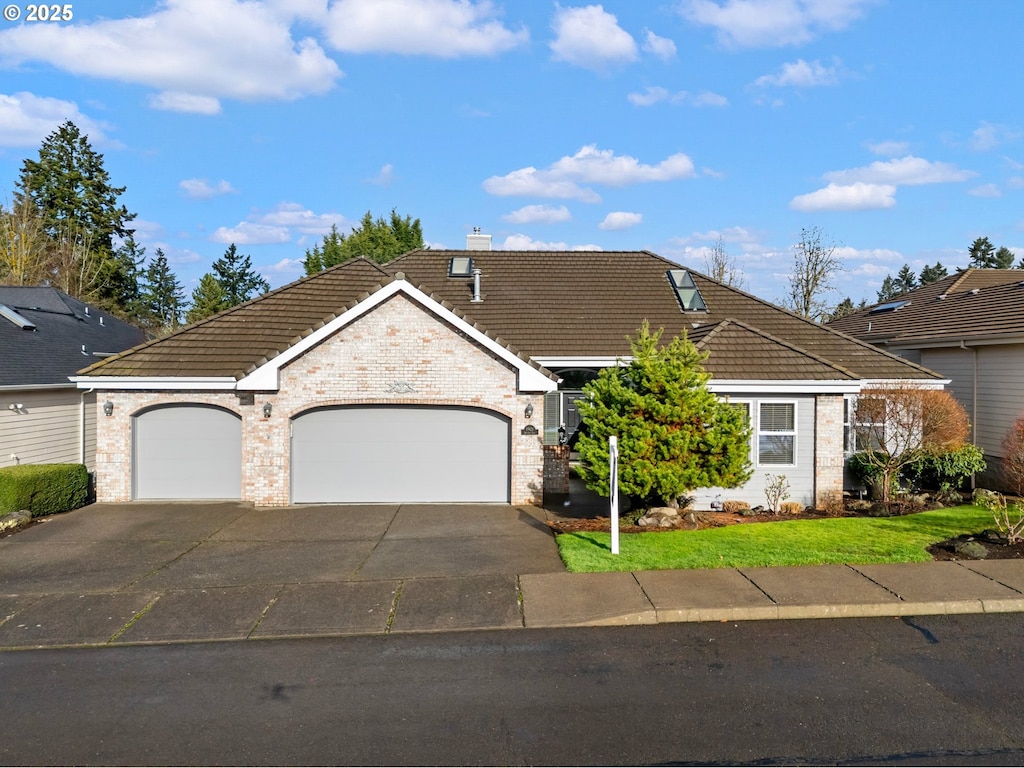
267,408
529,410
108,408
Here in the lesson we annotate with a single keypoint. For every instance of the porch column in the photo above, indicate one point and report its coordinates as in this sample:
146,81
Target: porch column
828,449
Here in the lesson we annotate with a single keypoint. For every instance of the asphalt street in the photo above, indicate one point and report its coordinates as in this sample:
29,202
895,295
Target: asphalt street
936,690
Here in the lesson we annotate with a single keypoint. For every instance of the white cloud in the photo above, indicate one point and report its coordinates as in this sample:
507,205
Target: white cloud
847,197
589,165
175,101
285,267
200,189
661,47
521,242
277,226
295,216
800,74
651,96
544,214
772,23
988,136
1015,182
617,220
889,148
591,38
249,233
908,170
445,28
384,176
986,190
194,51
709,99
27,119
655,94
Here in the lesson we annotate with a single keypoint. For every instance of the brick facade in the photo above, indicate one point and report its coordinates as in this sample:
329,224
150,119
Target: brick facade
397,354
829,458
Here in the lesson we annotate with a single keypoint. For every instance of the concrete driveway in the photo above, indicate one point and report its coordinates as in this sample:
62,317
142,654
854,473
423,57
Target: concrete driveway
182,571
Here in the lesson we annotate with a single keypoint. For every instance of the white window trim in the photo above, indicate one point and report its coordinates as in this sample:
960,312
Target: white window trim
757,434
751,411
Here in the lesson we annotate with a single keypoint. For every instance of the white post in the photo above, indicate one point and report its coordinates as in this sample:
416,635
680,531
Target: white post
613,465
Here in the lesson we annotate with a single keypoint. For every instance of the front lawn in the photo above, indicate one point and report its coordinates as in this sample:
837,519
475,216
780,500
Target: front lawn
792,542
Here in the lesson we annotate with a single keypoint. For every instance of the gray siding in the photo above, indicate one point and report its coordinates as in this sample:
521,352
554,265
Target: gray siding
800,477
1000,387
48,428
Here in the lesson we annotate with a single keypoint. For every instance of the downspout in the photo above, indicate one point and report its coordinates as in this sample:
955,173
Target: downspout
81,424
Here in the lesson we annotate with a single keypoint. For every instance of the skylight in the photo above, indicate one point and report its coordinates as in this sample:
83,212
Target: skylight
460,266
17,319
891,306
686,290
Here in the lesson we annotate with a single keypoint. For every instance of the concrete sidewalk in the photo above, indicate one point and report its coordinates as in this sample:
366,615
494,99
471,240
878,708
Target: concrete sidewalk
126,574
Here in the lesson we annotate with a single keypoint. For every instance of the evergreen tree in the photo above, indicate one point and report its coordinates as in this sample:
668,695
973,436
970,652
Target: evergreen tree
161,295
905,280
80,212
1003,258
236,276
982,253
842,309
674,434
888,289
932,274
208,298
378,239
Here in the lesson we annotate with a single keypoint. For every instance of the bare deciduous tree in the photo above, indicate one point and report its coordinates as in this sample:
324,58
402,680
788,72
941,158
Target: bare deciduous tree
815,265
905,423
722,267
24,246
1013,456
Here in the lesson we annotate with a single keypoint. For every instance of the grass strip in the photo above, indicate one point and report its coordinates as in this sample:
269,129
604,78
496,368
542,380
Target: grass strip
848,540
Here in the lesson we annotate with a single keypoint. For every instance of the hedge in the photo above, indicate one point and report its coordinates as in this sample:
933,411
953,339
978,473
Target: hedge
43,489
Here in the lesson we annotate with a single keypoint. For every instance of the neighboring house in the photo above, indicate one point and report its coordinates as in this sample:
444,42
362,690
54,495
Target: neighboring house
45,337
970,328
435,378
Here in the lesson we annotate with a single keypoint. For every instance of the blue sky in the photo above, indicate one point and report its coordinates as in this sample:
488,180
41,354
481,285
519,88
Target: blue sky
896,127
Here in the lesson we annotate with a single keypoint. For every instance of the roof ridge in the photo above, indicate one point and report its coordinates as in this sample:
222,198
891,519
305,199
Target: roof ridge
961,277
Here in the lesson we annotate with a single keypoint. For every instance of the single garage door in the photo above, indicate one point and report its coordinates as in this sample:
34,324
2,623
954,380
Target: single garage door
400,454
187,452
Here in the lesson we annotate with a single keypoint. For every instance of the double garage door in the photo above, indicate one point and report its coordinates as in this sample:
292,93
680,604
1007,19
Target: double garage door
366,454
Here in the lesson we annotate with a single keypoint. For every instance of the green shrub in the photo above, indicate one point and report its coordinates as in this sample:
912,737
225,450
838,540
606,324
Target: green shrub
865,468
947,470
43,489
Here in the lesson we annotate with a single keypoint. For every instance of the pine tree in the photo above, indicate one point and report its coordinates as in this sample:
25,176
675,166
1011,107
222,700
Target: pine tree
674,434
1003,258
236,276
161,295
982,253
888,289
932,274
378,239
80,212
905,280
208,299
842,309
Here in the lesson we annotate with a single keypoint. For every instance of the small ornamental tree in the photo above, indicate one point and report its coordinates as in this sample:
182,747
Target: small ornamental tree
903,424
674,435
1013,456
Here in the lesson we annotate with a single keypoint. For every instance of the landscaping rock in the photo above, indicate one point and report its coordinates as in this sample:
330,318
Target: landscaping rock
748,512
970,550
14,520
659,517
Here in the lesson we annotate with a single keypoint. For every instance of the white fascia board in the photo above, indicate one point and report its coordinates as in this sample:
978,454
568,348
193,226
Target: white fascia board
958,343
791,387
155,382
266,377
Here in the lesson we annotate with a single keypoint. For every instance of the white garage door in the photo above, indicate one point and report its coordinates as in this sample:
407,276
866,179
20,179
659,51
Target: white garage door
187,452
400,454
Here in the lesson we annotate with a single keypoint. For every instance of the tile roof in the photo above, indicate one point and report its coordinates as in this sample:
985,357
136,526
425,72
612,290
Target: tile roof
973,304
538,303
52,352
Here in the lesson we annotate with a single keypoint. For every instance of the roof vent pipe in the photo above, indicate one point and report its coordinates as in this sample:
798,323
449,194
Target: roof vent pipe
476,287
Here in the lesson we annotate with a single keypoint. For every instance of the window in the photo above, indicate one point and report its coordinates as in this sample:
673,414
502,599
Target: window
859,435
460,266
776,434
687,291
